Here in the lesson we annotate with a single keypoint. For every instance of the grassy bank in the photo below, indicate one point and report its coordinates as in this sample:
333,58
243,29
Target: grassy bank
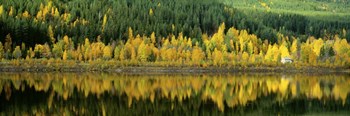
58,65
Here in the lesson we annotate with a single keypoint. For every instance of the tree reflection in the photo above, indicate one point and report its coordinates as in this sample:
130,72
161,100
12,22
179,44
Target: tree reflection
226,91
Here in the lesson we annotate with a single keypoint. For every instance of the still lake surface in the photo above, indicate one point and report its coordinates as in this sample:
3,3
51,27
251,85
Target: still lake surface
174,94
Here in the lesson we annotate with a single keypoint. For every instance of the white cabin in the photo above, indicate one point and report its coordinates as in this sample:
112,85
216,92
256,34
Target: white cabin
286,60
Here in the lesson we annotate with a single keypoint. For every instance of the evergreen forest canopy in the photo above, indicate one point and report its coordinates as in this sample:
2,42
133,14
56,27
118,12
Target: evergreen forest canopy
29,21
82,19
155,30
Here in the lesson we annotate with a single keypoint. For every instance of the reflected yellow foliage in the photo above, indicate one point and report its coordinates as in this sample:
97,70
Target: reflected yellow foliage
283,86
232,90
316,91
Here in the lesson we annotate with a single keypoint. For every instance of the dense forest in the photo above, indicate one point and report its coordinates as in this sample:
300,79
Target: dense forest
29,21
207,32
318,18
109,19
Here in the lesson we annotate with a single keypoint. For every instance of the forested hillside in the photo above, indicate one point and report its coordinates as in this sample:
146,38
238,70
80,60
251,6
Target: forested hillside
318,18
30,21
82,19
196,32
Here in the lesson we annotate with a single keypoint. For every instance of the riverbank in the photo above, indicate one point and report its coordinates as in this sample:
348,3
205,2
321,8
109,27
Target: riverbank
160,67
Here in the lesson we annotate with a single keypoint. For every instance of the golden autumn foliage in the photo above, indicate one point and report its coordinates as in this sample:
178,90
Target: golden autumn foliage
1,10
8,43
46,51
294,48
341,46
284,51
153,38
26,14
144,51
65,17
56,13
104,22
250,47
150,12
107,52
11,11
50,33
122,55
235,47
276,53
305,51
132,54
116,53
218,59
65,55
17,53
272,54
42,51
130,34
317,45
197,55
245,57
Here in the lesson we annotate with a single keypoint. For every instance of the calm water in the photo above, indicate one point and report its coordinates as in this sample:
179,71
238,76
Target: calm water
157,94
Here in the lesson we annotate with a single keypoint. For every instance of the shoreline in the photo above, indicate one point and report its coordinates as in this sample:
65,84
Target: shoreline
111,68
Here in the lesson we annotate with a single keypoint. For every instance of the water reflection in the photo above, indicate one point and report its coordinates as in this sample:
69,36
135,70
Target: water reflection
73,93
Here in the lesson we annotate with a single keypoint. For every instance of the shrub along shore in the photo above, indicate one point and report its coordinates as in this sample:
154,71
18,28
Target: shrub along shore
113,66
